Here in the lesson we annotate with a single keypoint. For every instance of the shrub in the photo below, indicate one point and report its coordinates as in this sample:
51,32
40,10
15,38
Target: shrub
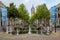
20,28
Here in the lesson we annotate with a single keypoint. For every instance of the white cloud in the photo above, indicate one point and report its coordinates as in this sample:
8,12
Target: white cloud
29,3
25,1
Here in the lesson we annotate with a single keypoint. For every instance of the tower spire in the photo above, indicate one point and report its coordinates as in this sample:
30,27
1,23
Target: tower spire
32,10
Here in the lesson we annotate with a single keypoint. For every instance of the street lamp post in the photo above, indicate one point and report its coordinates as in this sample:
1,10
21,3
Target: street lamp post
29,29
55,23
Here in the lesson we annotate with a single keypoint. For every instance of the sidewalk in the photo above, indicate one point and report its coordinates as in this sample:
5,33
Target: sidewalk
4,35
53,36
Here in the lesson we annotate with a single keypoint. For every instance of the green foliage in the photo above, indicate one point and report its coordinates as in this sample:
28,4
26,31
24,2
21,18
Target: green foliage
18,27
34,17
22,30
23,13
12,11
42,12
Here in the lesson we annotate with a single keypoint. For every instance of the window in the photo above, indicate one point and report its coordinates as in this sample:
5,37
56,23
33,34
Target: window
59,13
59,21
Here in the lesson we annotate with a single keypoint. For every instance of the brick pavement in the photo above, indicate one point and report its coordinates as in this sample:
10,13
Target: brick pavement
32,37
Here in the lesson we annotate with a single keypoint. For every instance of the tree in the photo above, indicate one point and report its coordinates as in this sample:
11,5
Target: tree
23,13
12,11
42,12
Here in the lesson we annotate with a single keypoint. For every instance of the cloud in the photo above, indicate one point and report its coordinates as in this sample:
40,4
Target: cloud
25,1
51,3
29,3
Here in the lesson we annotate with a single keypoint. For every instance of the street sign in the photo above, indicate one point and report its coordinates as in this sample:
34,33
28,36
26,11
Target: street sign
4,14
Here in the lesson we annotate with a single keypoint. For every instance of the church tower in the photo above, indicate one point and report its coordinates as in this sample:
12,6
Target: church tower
32,10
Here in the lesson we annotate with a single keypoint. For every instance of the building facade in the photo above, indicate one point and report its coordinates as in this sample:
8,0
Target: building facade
1,6
58,14
55,15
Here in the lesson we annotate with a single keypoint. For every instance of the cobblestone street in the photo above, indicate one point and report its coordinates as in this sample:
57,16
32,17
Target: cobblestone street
30,37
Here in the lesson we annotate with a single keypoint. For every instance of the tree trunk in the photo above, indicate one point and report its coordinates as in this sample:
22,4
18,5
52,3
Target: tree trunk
6,29
45,22
17,31
41,30
10,27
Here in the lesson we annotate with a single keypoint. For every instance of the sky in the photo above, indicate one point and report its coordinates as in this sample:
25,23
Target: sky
29,3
